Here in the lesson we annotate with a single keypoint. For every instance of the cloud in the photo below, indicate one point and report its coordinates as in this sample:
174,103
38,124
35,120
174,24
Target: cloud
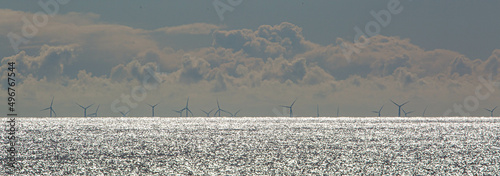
78,55
193,69
195,29
404,77
49,64
133,70
267,41
492,64
461,66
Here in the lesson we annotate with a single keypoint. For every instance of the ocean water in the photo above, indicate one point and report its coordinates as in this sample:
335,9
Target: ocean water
257,146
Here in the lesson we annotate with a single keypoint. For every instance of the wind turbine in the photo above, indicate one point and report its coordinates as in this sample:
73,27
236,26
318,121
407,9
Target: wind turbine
208,113
50,108
180,112
85,109
234,115
124,114
338,111
399,106
187,109
406,113
317,110
153,109
220,110
491,111
290,107
423,113
95,113
378,112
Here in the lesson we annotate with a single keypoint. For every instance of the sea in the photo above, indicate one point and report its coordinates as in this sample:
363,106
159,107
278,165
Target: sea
255,146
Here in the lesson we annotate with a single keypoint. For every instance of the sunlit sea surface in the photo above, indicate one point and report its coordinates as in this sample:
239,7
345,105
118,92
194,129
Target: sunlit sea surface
257,146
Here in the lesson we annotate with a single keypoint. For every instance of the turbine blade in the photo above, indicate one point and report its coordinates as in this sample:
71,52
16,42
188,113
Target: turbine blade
44,109
80,106
293,102
404,103
394,103
381,108
52,101
494,108
89,106
227,112
375,112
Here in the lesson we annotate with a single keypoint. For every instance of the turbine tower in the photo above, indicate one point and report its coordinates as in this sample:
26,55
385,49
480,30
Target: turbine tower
338,107
378,112
208,113
124,114
290,107
491,110
95,113
406,113
399,106
85,109
423,113
220,110
187,109
153,109
50,108
317,110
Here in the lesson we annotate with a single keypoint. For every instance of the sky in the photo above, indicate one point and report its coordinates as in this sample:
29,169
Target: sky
254,56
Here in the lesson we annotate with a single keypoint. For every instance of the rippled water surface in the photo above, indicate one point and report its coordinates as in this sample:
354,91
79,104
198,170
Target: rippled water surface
257,146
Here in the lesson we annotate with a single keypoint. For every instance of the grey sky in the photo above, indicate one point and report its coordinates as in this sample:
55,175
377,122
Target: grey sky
109,44
454,25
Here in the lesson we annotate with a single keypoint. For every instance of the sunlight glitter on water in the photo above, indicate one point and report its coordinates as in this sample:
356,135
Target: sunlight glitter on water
261,146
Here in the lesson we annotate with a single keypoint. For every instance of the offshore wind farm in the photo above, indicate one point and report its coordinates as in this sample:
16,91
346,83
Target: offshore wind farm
288,113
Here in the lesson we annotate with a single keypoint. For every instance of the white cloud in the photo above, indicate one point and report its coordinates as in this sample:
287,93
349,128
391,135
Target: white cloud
195,28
